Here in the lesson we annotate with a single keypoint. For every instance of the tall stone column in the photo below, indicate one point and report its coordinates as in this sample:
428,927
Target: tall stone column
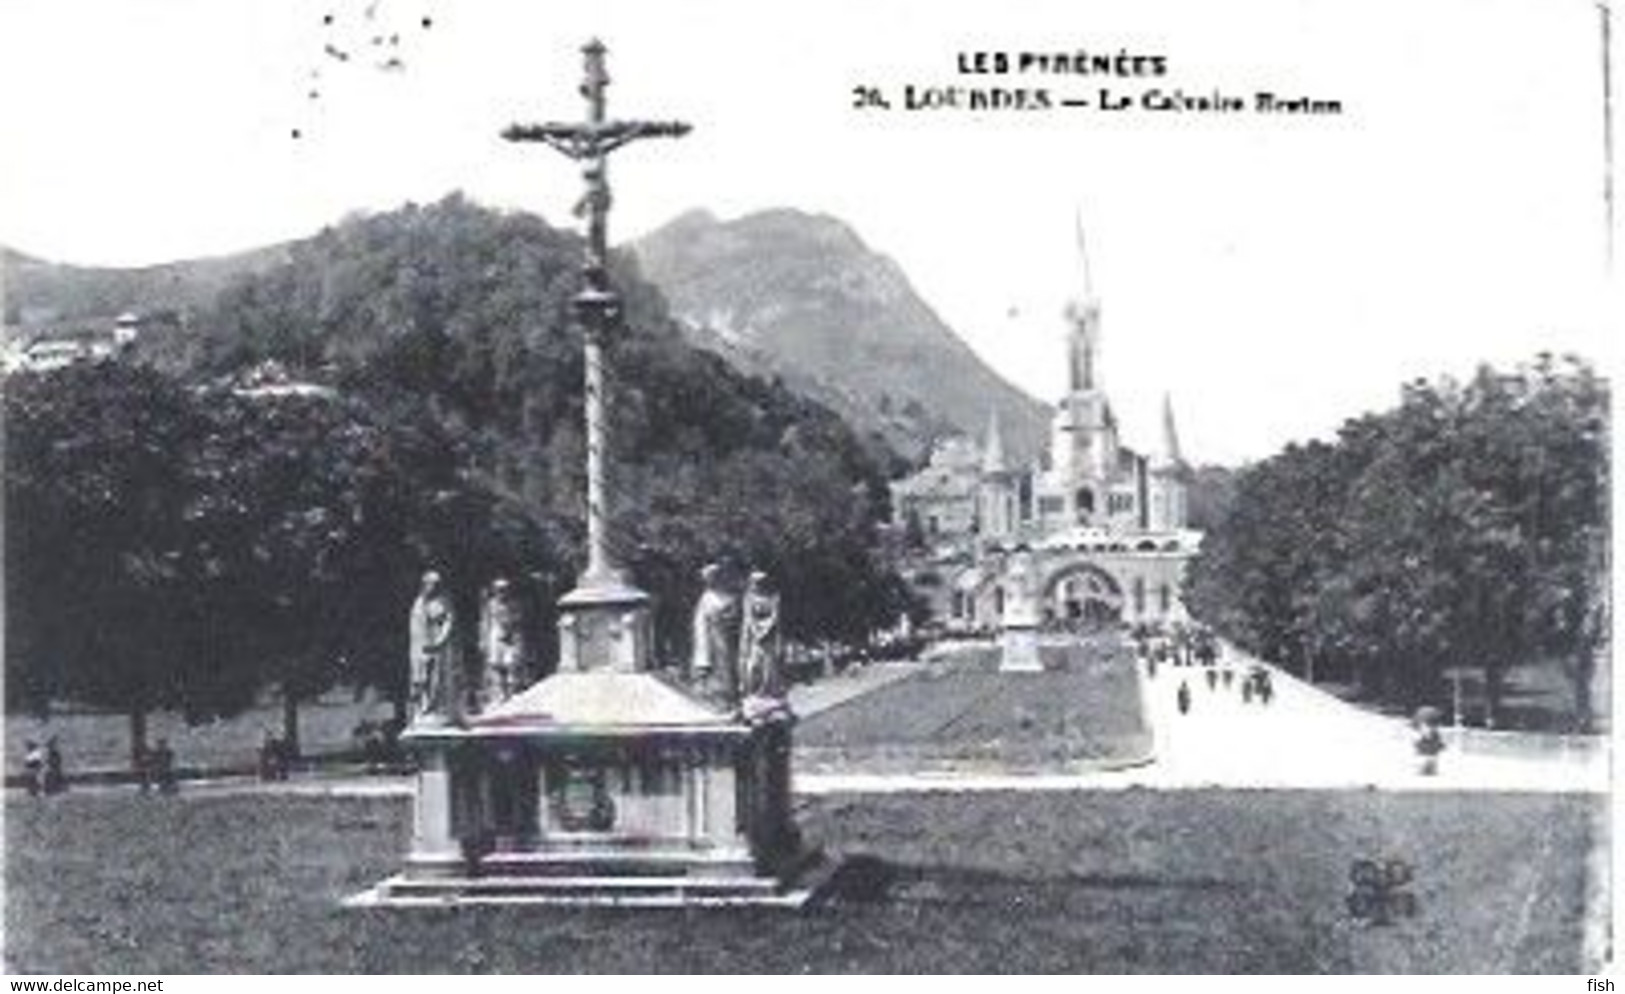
604,622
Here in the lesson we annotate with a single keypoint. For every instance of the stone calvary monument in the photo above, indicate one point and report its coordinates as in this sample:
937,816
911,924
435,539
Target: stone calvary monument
609,781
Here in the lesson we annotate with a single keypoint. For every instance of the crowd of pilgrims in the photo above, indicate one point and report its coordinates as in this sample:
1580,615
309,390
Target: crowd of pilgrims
1196,647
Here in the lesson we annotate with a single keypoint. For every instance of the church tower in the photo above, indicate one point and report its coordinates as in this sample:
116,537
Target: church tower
1169,476
998,494
1083,443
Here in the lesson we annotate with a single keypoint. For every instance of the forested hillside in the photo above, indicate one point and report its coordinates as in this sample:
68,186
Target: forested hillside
226,540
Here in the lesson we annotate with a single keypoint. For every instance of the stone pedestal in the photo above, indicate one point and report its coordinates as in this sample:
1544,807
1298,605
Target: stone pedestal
1018,650
605,626
1018,637
604,787
435,849
1018,640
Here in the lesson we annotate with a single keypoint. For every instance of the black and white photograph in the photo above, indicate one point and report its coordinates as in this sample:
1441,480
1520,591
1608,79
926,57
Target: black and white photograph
890,487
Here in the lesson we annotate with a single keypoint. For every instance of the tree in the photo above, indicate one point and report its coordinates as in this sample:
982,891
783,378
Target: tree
286,531
181,549
283,488
102,607
1465,528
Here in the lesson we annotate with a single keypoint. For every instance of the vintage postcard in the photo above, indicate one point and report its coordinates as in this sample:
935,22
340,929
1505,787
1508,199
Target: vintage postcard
892,487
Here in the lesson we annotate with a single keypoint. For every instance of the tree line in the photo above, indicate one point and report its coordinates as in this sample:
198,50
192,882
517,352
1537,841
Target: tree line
177,541
1464,531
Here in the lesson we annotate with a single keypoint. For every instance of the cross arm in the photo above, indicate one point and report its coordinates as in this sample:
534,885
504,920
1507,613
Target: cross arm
584,141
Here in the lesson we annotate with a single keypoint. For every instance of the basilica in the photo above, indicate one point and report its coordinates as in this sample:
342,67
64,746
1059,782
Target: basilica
1094,534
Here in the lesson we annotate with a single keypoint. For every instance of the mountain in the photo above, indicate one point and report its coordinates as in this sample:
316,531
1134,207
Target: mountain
801,297
39,293
779,294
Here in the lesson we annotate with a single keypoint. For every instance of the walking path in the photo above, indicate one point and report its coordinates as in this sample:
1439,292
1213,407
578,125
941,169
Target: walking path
1304,738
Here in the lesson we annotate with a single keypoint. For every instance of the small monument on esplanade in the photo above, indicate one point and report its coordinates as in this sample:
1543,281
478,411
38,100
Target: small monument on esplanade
1018,635
612,780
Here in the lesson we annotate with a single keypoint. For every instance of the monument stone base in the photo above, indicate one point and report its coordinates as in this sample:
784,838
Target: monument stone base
1018,650
604,787
605,624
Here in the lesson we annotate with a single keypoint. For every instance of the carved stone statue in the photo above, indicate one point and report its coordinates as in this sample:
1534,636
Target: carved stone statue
712,665
501,644
433,648
759,641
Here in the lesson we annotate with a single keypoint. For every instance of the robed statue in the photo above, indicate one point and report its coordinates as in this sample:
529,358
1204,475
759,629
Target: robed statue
760,644
433,648
501,644
712,667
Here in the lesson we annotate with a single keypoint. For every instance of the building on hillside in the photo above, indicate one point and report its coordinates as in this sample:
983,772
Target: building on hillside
55,349
1100,528
270,379
941,501
126,329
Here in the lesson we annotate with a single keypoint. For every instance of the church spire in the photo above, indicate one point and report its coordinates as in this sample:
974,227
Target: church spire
1083,256
993,460
1083,319
1169,454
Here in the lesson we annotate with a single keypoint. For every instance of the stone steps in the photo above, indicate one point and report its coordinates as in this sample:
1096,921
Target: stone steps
654,885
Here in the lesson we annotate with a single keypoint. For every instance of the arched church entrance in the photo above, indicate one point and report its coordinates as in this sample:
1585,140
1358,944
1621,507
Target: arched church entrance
1085,505
1082,596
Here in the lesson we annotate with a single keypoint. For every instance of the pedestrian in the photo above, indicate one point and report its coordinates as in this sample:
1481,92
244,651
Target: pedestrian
55,780
33,767
1212,679
281,758
370,740
378,748
1266,689
1247,690
1151,666
1428,742
1228,675
270,753
163,767
142,761
1184,697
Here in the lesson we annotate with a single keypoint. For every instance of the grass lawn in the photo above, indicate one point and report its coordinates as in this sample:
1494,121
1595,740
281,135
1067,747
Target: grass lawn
1082,711
1191,881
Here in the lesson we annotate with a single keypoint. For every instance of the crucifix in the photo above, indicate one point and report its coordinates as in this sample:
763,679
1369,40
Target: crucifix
615,761
597,306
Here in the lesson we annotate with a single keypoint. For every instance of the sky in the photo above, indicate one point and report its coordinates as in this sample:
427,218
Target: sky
1273,274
